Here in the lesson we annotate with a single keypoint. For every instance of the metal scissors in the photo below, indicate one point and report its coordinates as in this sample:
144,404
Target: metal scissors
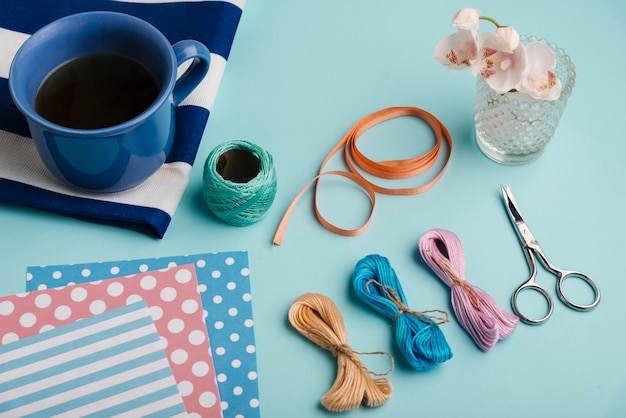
531,248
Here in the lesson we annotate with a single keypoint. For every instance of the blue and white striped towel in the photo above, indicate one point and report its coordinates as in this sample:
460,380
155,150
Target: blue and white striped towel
24,180
111,364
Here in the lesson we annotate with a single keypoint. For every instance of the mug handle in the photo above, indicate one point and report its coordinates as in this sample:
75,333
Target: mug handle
186,50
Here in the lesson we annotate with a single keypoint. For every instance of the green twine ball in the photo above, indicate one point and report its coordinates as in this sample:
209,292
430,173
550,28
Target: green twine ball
239,182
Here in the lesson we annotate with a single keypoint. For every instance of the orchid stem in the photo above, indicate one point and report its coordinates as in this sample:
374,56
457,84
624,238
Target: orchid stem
492,20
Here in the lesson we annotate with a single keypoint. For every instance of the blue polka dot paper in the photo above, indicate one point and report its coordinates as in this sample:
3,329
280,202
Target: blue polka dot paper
224,286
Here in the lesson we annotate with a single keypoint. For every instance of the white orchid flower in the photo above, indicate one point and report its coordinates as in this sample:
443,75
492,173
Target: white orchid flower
538,80
457,51
501,70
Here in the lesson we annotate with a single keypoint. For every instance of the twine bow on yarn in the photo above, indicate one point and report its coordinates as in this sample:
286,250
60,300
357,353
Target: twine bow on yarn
317,318
418,335
477,312
239,182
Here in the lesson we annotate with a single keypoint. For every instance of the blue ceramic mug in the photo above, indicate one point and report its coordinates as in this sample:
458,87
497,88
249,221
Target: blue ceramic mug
121,155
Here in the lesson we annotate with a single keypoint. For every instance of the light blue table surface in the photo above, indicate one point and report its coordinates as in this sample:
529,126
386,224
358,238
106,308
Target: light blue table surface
300,75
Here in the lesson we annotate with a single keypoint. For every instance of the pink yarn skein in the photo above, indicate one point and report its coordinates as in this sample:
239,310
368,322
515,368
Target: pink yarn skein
475,310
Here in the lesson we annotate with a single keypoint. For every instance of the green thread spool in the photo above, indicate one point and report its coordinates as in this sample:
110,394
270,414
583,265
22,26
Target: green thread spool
239,182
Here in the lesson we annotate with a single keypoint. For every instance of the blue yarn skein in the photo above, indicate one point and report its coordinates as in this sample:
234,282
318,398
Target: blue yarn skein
418,335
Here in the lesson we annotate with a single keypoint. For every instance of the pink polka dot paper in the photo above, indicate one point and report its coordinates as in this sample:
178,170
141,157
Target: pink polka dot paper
174,303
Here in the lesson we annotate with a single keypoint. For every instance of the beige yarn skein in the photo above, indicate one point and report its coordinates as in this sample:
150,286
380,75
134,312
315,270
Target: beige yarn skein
317,318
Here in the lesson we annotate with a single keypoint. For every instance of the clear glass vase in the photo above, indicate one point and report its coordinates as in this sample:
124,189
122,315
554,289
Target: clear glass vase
514,128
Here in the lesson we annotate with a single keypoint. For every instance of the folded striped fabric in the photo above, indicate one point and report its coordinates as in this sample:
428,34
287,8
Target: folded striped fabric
111,364
149,207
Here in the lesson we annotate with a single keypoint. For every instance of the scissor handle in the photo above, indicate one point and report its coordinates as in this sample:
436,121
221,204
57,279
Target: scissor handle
570,274
531,285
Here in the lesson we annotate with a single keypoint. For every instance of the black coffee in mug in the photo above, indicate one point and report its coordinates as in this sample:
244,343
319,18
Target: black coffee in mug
96,91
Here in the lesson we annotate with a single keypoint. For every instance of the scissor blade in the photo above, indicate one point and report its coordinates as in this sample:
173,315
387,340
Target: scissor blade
511,205
523,232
